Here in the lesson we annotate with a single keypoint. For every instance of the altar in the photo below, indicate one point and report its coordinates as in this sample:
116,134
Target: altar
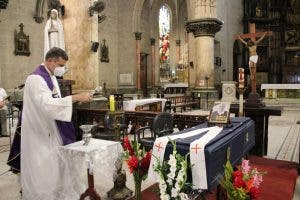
175,88
99,156
154,104
274,91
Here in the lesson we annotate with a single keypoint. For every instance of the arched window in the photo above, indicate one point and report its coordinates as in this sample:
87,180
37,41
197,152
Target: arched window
164,42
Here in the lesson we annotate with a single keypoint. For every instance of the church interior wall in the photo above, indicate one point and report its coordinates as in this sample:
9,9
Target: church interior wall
14,69
126,41
109,31
231,13
118,30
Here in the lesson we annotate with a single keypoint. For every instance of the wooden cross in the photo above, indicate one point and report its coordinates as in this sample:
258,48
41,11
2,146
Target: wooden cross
158,146
253,35
196,148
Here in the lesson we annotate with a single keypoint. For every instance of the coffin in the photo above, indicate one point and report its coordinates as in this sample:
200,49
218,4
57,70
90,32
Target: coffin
234,142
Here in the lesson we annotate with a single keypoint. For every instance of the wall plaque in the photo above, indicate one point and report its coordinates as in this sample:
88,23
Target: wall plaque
126,78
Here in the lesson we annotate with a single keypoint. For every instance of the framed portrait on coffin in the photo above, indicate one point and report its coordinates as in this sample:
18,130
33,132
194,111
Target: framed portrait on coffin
219,114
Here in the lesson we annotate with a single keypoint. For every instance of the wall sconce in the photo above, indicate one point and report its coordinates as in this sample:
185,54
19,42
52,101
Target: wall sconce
97,7
95,46
218,61
192,64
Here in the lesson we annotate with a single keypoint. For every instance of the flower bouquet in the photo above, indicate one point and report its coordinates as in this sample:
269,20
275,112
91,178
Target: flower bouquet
243,183
138,162
173,176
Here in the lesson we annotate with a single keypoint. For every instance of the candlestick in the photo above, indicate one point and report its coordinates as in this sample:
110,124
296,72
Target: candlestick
241,101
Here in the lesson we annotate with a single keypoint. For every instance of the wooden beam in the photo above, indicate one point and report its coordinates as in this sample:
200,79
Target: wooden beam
250,35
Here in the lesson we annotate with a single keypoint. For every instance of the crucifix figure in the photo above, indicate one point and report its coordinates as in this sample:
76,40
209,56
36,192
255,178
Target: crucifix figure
252,46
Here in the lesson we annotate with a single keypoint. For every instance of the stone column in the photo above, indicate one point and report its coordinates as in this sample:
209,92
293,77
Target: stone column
204,27
152,42
178,50
138,37
80,30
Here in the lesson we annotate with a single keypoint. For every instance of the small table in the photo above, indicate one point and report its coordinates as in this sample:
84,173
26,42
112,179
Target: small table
97,158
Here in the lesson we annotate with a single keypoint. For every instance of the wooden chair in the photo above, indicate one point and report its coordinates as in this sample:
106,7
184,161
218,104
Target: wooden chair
162,125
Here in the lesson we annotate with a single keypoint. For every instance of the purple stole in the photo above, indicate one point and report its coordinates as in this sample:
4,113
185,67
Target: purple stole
66,129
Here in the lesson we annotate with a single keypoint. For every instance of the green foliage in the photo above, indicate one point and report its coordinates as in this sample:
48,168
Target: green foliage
227,183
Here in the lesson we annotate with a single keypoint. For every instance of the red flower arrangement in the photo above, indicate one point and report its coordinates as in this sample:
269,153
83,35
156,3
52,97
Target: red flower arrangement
243,183
138,161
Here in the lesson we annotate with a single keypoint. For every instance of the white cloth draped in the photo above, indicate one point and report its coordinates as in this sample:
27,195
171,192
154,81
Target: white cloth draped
197,157
99,156
40,175
254,58
159,147
132,104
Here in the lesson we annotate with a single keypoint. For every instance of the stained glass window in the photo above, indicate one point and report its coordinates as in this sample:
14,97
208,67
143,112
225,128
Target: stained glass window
164,42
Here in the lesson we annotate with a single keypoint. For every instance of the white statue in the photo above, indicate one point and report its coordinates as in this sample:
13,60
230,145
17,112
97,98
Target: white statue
54,32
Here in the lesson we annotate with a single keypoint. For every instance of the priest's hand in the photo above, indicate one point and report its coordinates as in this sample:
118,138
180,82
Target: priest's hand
82,97
2,103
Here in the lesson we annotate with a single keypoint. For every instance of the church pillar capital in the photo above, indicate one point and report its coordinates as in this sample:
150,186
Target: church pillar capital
152,41
178,42
138,35
204,26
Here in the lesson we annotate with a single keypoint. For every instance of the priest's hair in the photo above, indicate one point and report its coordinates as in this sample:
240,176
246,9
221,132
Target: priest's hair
56,53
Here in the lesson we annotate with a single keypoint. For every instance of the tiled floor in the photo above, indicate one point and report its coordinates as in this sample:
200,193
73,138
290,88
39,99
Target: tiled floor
283,144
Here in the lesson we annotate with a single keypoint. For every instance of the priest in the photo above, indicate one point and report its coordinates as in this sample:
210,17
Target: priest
46,125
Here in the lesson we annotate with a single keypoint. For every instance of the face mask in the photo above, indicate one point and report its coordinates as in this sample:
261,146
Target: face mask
59,71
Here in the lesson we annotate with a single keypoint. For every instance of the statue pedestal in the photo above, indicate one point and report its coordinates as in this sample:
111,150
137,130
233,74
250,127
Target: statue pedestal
229,91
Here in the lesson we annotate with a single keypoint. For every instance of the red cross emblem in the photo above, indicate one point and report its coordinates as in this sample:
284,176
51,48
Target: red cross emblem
159,146
196,148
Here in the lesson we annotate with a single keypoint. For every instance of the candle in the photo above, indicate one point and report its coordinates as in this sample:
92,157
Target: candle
241,109
241,77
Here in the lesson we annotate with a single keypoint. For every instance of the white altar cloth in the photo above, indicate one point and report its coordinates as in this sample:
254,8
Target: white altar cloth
281,86
100,156
175,85
132,104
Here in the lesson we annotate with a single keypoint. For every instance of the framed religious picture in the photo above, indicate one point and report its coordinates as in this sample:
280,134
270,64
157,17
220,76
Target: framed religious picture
219,114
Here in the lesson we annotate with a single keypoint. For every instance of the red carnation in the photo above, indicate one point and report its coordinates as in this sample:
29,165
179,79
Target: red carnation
127,146
237,173
133,163
238,182
254,193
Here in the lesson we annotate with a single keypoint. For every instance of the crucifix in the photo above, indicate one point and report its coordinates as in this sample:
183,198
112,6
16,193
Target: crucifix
251,44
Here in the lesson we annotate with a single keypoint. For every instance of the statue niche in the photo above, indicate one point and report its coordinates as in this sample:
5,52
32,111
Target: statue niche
21,42
104,52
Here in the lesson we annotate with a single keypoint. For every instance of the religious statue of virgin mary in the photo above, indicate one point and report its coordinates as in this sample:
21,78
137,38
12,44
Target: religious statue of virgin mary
54,32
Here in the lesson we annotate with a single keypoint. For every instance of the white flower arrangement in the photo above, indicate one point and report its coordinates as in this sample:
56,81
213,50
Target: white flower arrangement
172,176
